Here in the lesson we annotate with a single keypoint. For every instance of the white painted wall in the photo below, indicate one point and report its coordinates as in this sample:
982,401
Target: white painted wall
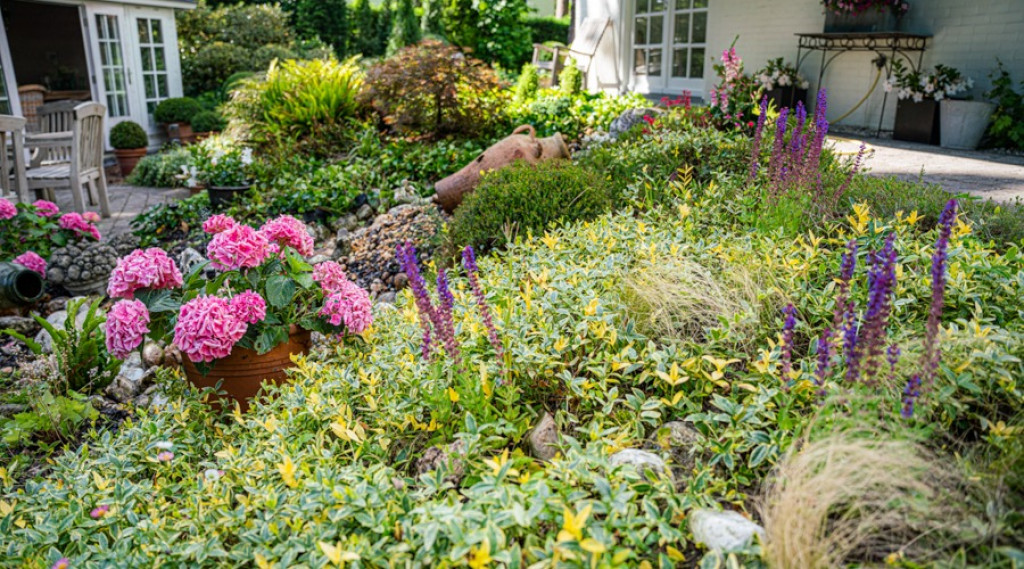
967,35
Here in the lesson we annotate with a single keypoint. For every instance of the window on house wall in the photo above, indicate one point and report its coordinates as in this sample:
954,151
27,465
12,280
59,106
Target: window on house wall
5,100
670,38
154,62
112,64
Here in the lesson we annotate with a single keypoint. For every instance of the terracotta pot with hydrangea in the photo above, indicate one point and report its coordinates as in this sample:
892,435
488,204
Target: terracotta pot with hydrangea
239,316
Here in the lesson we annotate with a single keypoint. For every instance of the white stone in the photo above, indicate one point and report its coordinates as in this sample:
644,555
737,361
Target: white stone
723,531
639,459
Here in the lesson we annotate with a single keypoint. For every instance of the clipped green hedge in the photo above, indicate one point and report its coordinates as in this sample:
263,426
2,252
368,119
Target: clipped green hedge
548,29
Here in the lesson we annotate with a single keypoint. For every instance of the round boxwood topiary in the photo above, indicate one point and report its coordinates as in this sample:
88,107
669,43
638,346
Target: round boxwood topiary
177,110
527,198
208,121
128,135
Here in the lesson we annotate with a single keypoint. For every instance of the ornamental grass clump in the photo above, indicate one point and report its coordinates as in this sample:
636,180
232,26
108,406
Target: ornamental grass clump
255,285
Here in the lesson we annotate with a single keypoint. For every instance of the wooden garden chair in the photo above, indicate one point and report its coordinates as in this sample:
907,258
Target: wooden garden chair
12,159
83,146
585,45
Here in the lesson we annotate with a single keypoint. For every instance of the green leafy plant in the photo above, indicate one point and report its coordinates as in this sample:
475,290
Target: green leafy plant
528,83
83,364
525,198
208,121
309,102
176,109
572,115
128,135
1007,127
432,88
36,227
175,220
406,28
570,80
49,417
161,170
219,161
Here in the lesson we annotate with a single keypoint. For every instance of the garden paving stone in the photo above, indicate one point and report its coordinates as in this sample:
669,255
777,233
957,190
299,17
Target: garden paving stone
126,202
984,174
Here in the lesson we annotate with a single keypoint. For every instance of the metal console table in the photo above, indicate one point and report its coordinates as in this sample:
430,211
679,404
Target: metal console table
888,45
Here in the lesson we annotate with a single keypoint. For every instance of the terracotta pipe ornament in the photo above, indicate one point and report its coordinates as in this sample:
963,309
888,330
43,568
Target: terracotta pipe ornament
517,146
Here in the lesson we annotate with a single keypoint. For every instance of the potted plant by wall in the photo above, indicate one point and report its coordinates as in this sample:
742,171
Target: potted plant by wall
782,84
964,121
918,94
222,167
176,115
129,141
206,123
864,16
239,327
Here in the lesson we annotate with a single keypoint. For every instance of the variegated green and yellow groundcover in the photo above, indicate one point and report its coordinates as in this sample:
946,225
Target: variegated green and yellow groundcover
324,474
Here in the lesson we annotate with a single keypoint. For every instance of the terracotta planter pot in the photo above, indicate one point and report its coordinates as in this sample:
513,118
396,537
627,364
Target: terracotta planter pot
128,158
181,131
244,371
517,146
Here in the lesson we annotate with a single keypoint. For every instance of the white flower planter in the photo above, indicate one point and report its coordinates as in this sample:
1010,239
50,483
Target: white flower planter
963,123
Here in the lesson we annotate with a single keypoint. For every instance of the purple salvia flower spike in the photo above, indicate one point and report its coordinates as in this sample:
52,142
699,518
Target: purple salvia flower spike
446,319
406,254
932,353
892,355
910,394
787,341
469,262
882,280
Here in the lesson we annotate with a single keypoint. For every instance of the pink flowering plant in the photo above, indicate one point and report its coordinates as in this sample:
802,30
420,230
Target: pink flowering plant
856,7
255,285
29,232
736,95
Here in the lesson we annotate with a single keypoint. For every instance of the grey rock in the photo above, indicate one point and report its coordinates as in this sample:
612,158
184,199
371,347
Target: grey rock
58,319
152,355
544,438
124,243
21,324
628,119
158,400
364,212
680,440
387,297
405,193
451,458
130,380
350,222
317,259
342,243
11,409
401,280
57,304
639,459
188,260
723,531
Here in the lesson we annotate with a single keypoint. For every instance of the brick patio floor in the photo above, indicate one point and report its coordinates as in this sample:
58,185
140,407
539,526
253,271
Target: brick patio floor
126,202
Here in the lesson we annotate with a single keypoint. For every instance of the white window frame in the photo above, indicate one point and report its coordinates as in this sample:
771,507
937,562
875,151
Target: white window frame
172,61
9,81
665,82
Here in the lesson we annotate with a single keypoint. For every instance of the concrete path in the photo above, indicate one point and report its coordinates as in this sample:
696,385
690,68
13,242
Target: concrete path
126,202
988,175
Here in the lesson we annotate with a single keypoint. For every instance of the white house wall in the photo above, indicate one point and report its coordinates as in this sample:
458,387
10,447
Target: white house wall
967,35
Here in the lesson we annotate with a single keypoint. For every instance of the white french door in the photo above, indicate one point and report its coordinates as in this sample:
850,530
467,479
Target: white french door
111,61
669,43
9,103
155,47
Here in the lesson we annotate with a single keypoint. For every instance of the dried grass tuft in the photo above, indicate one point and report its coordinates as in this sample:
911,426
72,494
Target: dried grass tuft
681,299
845,499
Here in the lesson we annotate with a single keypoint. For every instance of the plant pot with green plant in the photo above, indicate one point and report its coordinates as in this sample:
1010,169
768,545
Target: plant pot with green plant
782,84
919,94
176,115
222,167
206,123
864,16
129,141
238,316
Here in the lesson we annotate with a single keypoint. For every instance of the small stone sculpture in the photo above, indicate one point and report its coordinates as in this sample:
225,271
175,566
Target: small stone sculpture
82,269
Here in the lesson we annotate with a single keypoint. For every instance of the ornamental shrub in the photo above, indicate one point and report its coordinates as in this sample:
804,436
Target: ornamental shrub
1007,126
570,80
205,69
208,121
406,28
493,31
432,88
160,170
526,86
176,109
128,135
548,29
525,198
308,101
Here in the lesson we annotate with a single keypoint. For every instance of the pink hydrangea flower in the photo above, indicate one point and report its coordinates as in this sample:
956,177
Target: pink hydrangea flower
127,326
32,261
330,275
349,304
249,307
75,222
7,209
207,329
45,208
237,247
150,268
91,216
99,511
288,231
217,223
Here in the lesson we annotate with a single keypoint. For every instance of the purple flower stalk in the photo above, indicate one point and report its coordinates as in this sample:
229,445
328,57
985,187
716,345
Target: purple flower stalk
755,153
469,262
882,280
445,317
932,353
406,255
910,394
824,360
892,355
778,158
787,341
851,350
812,163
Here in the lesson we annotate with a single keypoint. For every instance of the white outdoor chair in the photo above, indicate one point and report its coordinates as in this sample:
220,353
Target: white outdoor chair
83,146
12,159
585,45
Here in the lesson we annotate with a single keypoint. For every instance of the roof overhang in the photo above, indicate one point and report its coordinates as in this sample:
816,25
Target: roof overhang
174,4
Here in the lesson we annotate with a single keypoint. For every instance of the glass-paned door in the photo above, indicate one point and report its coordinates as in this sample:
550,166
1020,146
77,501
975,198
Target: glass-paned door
153,60
5,99
669,44
112,64
8,86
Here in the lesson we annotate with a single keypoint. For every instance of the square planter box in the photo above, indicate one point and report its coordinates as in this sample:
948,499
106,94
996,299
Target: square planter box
917,122
787,96
865,22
